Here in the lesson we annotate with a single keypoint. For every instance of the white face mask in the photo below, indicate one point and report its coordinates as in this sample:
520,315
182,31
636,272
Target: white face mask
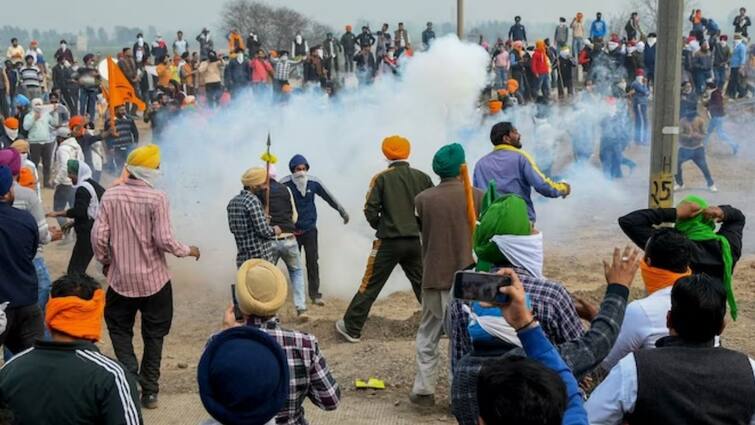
140,39
24,157
722,43
390,55
284,58
622,85
298,39
612,45
651,41
240,57
640,79
63,46
300,180
12,134
320,53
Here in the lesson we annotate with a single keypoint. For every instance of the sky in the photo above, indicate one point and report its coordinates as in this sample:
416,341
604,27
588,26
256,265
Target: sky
167,15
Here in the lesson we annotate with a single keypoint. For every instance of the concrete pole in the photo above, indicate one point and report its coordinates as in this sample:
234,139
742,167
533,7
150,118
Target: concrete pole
668,72
460,19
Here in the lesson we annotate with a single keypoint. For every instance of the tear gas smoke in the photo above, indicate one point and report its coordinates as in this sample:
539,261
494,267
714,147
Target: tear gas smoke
432,104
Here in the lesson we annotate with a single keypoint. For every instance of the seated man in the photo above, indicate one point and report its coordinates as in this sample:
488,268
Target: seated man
261,290
666,261
537,390
686,380
68,377
580,355
505,238
713,253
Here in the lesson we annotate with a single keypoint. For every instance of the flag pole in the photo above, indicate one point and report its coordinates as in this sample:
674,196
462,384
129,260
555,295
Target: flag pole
267,176
110,106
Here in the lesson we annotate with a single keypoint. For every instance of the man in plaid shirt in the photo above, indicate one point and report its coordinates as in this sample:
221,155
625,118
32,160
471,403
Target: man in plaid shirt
247,221
261,290
283,66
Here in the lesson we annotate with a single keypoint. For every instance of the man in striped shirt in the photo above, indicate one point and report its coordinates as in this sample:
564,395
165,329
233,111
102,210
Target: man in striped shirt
130,237
81,385
31,78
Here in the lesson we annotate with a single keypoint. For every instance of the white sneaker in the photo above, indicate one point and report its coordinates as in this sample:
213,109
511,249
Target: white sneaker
677,187
341,329
713,188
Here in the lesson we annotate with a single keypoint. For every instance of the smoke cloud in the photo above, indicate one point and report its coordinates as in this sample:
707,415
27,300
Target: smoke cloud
434,102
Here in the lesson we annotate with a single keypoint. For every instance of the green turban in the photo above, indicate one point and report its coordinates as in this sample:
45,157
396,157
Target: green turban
73,166
448,160
505,216
699,229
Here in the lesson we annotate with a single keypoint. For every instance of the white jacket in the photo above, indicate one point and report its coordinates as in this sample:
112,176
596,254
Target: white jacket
68,149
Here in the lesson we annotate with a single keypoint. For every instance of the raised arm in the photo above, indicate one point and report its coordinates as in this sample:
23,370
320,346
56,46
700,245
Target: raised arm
639,225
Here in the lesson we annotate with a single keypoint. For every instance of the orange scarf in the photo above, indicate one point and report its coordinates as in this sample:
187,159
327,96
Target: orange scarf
76,317
656,279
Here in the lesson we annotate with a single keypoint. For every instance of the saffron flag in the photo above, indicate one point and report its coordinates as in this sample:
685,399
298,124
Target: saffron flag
119,90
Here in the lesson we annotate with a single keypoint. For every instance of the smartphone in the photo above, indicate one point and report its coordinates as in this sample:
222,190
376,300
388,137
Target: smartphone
476,286
236,310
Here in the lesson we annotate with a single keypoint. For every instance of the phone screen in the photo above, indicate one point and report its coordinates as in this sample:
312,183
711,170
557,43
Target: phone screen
480,287
236,310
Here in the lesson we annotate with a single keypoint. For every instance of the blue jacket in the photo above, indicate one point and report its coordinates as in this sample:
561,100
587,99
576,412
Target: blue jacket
738,56
19,239
514,171
649,60
640,93
598,29
537,347
305,204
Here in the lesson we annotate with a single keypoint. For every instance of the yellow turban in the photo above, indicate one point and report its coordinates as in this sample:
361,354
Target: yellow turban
261,288
21,146
254,177
396,148
145,156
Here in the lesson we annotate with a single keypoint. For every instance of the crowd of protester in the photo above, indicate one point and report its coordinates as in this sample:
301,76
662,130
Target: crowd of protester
520,361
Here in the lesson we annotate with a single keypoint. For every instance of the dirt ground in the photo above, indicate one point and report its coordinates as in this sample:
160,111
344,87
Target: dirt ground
573,256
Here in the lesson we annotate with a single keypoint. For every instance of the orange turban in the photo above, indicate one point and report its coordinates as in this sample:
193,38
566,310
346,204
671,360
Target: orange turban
75,121
76,317
396,148
26,178
11,123
495,106
513,86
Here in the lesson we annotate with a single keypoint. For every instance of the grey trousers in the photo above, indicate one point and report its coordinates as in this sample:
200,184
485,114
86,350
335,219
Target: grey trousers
432,325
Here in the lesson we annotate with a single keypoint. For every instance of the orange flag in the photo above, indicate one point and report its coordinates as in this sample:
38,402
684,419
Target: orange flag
119,90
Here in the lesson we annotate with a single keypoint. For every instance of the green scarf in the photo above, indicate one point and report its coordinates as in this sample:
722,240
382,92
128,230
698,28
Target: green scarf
504,216
699,228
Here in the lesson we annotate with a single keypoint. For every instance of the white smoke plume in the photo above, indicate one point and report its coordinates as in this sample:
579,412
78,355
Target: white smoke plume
433,103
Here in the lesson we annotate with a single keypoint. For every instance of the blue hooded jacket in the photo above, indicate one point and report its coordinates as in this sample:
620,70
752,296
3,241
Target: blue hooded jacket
305,202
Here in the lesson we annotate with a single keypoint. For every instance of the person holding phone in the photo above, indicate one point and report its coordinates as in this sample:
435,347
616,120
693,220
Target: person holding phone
581,355
506,238
537,389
